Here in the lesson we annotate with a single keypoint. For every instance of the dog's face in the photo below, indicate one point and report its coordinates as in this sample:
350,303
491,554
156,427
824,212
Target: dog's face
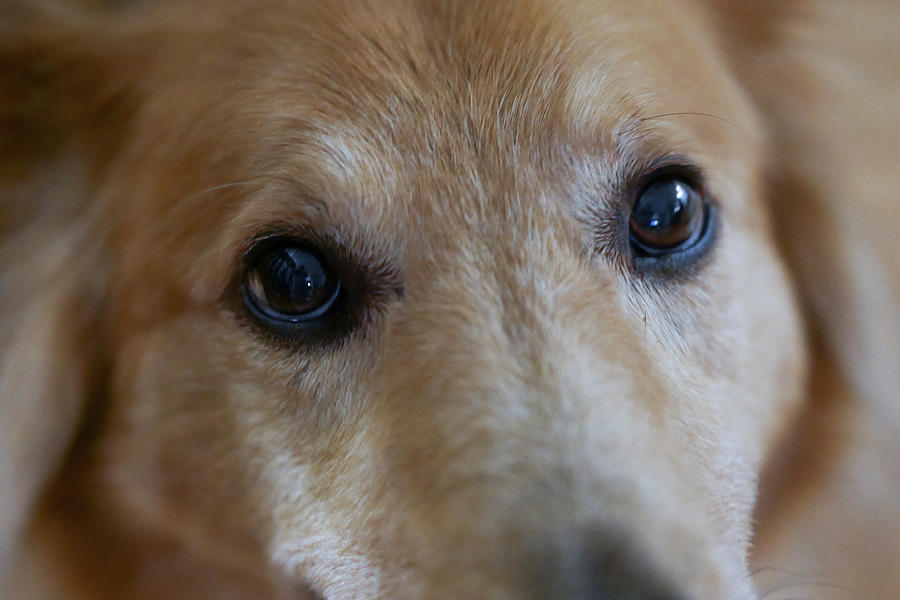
446,299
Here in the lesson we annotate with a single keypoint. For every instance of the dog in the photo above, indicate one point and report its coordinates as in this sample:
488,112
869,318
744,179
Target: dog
358,299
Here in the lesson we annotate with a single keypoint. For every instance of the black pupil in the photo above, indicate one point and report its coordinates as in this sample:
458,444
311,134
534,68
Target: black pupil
668,214
292,281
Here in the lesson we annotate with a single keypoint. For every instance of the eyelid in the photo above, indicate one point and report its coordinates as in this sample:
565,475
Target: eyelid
684,263
674,165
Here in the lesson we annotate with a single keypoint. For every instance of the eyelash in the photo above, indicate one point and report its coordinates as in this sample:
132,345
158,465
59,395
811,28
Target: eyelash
365,287
612,237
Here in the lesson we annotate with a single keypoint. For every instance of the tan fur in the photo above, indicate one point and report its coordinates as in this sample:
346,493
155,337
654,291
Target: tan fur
518,408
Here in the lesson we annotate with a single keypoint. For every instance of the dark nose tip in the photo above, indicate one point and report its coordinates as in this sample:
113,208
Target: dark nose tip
602,567
604,596
622,573
609,586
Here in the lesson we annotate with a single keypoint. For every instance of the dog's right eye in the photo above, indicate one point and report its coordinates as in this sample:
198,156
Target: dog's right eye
289,282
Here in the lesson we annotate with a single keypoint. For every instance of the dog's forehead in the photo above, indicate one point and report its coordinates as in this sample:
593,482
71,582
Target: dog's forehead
398,124
477,102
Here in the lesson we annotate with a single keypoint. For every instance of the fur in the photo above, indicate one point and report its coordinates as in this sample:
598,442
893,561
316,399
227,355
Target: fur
518,413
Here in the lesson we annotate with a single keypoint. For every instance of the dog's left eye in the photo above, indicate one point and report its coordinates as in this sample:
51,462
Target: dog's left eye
289,282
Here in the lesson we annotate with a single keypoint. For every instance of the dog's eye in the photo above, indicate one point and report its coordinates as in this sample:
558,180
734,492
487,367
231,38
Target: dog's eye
669,216
289,282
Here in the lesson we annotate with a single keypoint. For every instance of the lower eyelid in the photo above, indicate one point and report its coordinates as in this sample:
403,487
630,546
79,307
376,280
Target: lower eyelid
684,264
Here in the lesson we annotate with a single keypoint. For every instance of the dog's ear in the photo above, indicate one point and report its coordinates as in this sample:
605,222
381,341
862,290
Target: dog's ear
61,102
825,76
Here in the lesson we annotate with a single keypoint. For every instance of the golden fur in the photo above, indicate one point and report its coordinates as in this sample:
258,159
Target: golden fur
517,410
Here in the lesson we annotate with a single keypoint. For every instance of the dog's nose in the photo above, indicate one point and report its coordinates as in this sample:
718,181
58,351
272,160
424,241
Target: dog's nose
629,597
605,596
603,568
610,586
619,590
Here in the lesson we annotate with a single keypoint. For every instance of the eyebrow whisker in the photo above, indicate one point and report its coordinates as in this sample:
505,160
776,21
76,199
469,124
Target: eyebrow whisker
694,114
221,186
